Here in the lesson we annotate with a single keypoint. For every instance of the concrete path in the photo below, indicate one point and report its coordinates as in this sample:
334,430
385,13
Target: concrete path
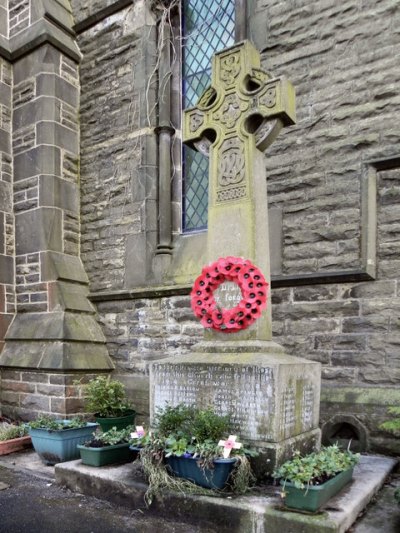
31,504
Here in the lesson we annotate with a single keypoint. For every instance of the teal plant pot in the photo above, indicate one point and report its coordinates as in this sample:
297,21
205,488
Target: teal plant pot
312,498
58,446
107,455
119,422
209,478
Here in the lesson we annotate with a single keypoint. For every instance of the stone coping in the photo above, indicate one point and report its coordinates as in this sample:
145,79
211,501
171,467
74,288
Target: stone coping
253,514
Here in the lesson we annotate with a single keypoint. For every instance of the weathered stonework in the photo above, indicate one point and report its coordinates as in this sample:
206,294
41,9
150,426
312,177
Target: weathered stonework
345,71
54,328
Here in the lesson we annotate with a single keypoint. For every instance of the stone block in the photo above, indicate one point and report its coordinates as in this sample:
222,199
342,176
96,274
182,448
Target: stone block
55,134
43,59
40,160
5,94
35,402
57,192
6,269
5,141
56,326
56,266
269,396
52,85
3,21
56,355
5,321
35,377
40,229
42,108
5,197
137,261
69,297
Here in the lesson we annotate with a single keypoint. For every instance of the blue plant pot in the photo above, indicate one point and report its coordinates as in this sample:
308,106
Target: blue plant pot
135,451
58,446
209,478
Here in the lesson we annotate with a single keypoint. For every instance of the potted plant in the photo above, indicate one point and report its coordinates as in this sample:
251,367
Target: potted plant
55,441
106,398
13,438
185,451
309,482
107,447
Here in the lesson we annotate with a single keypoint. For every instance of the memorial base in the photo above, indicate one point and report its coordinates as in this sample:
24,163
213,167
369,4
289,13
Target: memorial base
272,398
273,454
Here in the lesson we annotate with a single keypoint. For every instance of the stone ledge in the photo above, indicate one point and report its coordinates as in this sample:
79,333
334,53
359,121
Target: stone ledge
253,514
42,31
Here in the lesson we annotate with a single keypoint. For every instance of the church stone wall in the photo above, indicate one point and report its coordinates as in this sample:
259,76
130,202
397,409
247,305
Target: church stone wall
118,147
334,177
7,243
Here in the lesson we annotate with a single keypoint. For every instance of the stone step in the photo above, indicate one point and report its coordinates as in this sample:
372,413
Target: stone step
244,514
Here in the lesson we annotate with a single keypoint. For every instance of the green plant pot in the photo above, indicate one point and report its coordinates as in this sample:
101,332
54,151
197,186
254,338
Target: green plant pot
312,498
119,422
209,478
118,453
58,446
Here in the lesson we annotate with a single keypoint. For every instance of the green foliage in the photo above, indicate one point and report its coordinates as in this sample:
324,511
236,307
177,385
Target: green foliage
317,467
393,425
206,425
174,420
106,397
111,437
397,495
191,423
189,431
52,424
13,432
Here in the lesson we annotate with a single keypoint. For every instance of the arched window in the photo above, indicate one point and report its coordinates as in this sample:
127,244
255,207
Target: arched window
207,27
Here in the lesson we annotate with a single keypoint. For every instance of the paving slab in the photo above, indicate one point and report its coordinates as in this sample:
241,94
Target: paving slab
259,513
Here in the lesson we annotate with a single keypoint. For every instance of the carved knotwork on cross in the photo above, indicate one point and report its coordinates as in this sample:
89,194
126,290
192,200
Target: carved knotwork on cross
244,107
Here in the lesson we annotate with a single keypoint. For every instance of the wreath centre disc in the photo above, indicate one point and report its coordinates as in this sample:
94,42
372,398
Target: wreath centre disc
236,283
228,295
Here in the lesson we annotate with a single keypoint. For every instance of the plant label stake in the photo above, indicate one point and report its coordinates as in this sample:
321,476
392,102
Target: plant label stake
229,444
139,433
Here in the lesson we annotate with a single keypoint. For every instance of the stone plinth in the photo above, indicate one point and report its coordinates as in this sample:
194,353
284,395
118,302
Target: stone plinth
272,398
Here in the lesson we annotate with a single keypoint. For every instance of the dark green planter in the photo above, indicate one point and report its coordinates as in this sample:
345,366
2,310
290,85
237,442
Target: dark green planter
119,422
58,446
107,455
312,498
213,478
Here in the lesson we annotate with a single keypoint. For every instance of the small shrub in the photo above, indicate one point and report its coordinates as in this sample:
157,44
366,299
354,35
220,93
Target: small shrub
317,467
106,397
393,425
109,438
13,432
52,424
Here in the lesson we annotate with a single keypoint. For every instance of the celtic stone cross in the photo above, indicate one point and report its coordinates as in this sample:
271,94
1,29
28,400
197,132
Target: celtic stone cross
234,121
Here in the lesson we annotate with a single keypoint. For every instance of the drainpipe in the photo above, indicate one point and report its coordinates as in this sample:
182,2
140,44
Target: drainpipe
165,132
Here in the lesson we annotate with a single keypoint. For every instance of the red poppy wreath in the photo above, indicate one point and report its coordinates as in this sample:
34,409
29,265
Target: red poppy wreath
250,281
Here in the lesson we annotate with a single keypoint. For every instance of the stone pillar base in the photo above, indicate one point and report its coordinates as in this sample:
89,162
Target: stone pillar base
273,454
25,394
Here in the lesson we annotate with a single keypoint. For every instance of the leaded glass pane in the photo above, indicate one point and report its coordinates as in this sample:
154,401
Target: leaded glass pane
208,26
